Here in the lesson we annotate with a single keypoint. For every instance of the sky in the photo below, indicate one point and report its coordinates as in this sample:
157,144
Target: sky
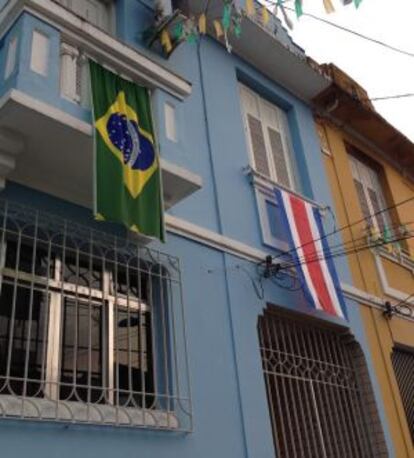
380,71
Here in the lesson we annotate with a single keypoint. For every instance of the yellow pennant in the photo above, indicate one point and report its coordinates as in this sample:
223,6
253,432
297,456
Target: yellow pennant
329,8
265,15
218,28
250,8
202,24
375,234
166,41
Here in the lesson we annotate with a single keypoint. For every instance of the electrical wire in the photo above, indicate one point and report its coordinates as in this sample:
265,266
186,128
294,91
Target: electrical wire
351,243
404,301
340,248
346,29
348,226
391,97
393,230
320,256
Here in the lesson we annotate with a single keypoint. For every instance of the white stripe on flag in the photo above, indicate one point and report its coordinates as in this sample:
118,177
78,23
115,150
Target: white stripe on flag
299,250
316,235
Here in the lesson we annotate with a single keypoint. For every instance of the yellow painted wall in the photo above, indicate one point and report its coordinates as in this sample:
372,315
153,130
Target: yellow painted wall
383,334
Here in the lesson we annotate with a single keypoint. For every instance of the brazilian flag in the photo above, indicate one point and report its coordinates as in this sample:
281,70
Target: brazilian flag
127,170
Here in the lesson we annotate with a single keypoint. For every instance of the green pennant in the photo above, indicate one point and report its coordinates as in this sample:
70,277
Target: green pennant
226,19
298,8
387,235
192,38
178,31
357,3
237,30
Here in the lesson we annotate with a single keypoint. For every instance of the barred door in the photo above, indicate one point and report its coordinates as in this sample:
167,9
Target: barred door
313,391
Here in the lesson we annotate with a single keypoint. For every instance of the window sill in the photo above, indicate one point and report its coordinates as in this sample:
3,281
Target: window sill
14,407
268,185
402,259
264,189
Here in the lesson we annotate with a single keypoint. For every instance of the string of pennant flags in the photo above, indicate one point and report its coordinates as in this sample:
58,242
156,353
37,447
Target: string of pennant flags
230,22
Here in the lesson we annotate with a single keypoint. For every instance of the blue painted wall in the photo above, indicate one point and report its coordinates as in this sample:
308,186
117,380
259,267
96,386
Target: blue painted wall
229,402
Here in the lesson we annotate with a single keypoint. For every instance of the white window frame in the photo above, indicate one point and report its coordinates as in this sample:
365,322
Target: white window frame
40,50
11,57
170,117
58,289
282,127
263,198
369,178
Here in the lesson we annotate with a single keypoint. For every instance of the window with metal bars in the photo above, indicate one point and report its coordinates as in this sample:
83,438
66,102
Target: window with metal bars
316,401
89,326
403,362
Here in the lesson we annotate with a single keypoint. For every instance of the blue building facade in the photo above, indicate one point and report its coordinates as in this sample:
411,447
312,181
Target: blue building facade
212,391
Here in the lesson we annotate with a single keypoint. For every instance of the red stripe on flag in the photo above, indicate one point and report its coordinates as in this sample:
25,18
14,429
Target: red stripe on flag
310,253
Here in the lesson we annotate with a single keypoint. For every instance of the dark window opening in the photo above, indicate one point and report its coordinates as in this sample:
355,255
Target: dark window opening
403,362
23,339
133,380
81,376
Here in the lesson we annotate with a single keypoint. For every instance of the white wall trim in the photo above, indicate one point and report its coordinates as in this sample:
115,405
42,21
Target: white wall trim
363,298
193,232
45,109
213,239
389,290
181,172
10,147
99,44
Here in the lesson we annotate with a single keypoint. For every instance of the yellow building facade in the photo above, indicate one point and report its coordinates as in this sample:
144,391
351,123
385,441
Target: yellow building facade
370,166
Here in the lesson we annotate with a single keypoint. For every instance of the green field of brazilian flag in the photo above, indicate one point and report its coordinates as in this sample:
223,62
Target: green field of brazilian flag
127,171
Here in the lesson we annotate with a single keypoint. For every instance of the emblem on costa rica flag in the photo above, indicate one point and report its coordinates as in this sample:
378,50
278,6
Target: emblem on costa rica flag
311,254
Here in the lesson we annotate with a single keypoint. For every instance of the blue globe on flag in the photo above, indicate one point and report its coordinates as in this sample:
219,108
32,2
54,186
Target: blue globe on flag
137,150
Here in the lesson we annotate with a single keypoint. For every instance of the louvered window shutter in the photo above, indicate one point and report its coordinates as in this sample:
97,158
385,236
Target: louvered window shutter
278,156
258,145
254,131
363,201
277,141
379,217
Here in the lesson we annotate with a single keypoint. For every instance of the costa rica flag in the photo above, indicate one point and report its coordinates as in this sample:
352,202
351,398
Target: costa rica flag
311,254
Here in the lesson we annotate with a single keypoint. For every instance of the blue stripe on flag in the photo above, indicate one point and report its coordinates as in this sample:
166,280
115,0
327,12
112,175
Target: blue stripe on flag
294,253
329,262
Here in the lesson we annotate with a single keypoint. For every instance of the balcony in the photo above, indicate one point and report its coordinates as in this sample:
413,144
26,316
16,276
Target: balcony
45,120
268,48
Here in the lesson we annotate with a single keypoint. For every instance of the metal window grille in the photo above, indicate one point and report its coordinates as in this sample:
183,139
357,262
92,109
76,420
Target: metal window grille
314,396
91,326
403,362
